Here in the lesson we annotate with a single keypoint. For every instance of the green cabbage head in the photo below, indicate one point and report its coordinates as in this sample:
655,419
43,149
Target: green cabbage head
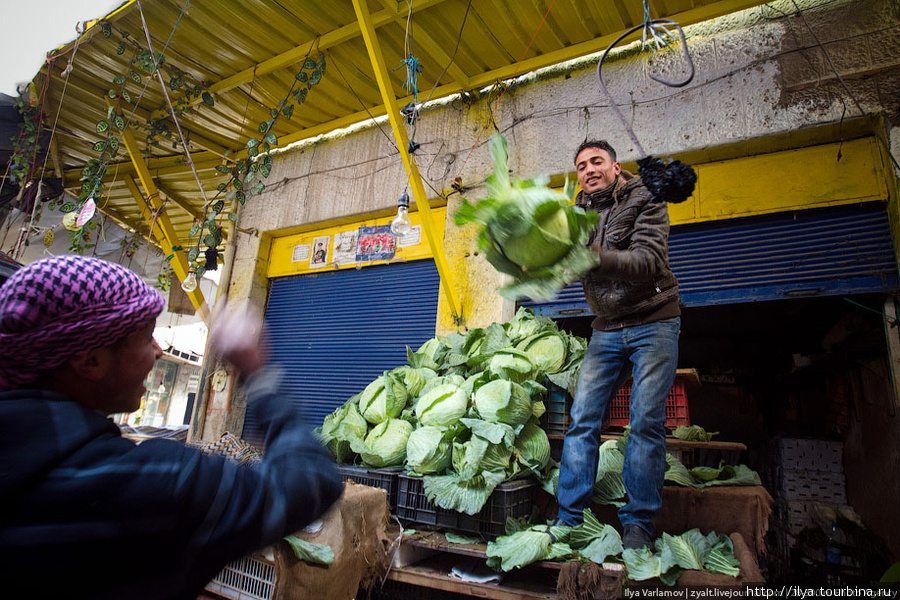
342,427
533,446
427,450
512,364
530,231
442,406
503,401
385,398
548,351
385,446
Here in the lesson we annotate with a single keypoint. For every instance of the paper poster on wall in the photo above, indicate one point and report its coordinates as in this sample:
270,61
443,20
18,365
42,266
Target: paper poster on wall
375,243
319,256
300,253
413,238
344,252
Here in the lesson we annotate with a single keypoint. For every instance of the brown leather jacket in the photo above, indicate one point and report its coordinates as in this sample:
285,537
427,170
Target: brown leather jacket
633,284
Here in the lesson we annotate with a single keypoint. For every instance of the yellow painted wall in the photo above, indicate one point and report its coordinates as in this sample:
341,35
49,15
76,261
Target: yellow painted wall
817,176
287,255
812,177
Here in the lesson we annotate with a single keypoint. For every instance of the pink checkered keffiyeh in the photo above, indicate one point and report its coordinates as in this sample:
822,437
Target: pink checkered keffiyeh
57,307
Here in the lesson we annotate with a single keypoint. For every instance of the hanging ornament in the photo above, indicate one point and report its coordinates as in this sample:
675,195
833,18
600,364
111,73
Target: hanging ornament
86,213
48,238
68,221
212,259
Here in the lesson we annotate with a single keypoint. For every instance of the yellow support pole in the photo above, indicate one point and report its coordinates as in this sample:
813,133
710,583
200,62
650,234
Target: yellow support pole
162,228
367,28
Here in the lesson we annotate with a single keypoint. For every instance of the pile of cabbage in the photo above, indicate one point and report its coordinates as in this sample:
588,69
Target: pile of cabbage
464,412
530,231
669,556
609,482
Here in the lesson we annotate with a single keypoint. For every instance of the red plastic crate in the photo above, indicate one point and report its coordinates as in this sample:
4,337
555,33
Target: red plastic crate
676,407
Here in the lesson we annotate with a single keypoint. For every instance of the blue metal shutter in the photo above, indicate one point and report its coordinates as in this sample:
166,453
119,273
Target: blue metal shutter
334,332
808,253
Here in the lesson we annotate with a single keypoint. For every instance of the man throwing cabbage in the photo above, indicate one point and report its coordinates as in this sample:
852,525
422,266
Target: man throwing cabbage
634,297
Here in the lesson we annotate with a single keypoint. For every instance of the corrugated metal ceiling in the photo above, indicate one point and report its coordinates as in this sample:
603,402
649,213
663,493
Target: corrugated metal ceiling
248,52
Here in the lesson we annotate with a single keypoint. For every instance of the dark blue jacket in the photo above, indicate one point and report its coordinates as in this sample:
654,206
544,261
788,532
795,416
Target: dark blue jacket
86,513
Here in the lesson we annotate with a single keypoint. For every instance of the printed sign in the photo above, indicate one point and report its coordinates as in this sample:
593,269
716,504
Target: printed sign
300,253
413,238
345,247
375,243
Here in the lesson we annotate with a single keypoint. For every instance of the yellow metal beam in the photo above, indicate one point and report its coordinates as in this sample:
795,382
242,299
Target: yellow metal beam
182,204
162,226
367,27
124,221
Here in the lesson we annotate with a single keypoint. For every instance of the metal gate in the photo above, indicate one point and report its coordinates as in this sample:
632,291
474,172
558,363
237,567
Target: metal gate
334,332
788,255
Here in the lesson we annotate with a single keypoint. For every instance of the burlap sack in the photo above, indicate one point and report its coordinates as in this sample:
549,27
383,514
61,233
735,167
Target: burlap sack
362,535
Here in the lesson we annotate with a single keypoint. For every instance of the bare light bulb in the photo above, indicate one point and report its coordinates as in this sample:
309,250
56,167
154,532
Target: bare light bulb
401,225
190,282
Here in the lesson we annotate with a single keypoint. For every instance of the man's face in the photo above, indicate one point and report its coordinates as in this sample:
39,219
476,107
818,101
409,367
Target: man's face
129,362
596,170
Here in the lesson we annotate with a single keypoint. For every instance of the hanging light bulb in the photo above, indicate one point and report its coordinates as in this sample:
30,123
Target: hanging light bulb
190,282
401,225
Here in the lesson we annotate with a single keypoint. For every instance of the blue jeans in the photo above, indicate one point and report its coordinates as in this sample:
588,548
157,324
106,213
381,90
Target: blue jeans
651,352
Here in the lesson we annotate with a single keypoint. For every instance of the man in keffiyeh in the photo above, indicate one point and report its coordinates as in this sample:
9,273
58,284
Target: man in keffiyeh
86,513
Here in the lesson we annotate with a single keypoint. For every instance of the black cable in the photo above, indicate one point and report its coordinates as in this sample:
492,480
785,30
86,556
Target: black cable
834,70
361,103
452,56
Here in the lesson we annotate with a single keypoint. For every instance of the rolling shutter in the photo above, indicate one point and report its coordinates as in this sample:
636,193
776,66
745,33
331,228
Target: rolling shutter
808,253
335,332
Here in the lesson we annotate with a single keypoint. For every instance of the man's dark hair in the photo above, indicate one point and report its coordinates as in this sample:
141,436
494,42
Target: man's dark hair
599,144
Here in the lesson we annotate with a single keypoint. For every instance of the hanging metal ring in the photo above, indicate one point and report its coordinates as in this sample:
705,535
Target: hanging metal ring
687,55
612,102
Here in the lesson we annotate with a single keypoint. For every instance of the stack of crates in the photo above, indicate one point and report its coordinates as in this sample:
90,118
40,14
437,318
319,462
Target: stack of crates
676,407
557,418
810,489
513,499
385,479
810,472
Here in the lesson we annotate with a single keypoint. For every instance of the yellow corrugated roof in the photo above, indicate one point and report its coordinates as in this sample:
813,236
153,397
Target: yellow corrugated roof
248,52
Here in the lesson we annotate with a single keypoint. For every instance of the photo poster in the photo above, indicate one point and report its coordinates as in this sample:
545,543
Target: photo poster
319,256
375,243
344,252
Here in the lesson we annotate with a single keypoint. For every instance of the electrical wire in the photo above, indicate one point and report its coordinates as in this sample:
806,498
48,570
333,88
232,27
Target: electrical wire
859,107
187,150
452,56
67,71
503,92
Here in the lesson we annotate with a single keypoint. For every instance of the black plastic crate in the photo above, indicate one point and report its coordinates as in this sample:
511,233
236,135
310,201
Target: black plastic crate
556,419
385,479
512,499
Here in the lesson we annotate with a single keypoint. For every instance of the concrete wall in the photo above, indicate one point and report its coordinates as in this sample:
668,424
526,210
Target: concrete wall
761,75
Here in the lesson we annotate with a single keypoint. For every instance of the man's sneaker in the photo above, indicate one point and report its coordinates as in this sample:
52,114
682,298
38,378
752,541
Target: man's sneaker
635,538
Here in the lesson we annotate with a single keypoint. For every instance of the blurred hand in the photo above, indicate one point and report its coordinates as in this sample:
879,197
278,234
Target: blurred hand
235,336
